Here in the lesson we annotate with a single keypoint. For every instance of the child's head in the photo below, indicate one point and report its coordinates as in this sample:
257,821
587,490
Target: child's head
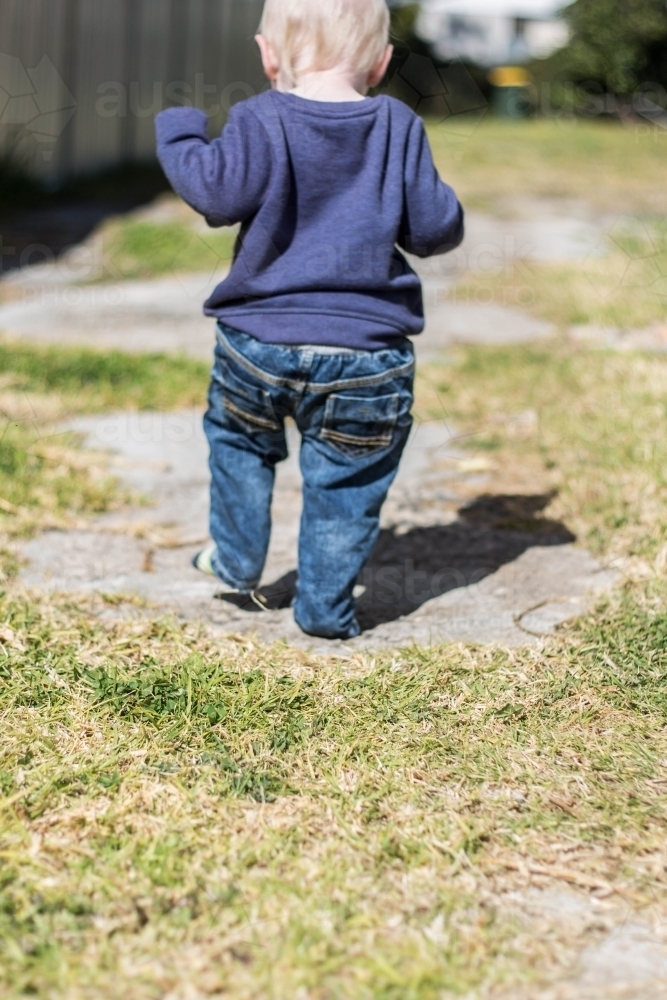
308,36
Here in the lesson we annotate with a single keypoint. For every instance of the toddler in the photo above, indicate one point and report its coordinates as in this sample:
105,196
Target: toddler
315,316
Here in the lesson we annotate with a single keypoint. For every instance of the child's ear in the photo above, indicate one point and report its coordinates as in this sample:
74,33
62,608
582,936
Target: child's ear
269,58
378,72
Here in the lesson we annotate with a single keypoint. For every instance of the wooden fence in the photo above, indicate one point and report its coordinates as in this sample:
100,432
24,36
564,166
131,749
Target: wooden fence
81,80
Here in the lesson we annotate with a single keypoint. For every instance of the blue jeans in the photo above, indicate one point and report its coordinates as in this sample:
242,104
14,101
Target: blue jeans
352,409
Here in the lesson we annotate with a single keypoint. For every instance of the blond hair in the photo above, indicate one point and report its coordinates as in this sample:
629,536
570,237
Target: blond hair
311,35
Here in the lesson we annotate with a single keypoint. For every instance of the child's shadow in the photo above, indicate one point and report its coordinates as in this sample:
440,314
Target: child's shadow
409,568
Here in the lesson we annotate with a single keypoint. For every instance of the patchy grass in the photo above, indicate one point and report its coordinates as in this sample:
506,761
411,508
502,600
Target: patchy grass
135,248
45,479
606,168
625,289
93,381
182,816
255,822
614,168
589,424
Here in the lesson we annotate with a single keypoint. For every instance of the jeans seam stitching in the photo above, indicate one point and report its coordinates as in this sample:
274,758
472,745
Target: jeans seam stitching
360,383
249,417
353,439
254,369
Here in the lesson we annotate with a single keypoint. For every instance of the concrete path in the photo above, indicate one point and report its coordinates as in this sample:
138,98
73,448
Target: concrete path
651,338
445,568
166,315
608,951
46,304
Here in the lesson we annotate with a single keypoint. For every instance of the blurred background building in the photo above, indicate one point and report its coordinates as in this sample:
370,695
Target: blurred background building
493,32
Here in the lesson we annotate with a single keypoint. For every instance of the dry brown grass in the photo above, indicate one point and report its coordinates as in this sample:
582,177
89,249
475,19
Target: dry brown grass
185,816
587,424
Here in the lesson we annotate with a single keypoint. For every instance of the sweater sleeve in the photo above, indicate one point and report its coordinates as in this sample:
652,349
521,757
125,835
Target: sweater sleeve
432,217
224,180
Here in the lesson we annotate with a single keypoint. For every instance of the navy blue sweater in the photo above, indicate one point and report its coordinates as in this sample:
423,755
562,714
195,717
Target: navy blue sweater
325,194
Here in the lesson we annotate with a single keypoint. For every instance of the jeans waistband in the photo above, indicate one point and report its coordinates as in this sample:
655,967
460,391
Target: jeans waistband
322,349
377,378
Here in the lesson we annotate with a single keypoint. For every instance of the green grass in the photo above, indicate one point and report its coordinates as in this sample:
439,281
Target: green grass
141,249
88,380
258,822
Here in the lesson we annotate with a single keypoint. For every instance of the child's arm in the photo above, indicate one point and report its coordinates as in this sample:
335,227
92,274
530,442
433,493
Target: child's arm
433,217
225,180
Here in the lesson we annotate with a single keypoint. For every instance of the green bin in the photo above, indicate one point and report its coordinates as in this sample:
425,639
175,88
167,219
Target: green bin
511,92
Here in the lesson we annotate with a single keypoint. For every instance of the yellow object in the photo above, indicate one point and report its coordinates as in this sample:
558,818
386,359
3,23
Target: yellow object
475,465
509,76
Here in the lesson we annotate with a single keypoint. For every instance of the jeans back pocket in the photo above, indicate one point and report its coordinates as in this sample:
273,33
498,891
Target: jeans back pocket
247,404
357,426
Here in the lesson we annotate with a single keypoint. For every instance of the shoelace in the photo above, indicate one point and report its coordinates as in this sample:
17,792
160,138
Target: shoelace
258,600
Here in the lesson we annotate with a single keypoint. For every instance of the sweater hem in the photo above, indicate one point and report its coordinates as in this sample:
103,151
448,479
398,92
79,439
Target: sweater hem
319,328
397,329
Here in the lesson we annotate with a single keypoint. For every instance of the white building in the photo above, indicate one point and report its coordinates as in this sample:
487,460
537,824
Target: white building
493,32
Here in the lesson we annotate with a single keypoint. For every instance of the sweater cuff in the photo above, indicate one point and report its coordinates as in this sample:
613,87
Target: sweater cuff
177,123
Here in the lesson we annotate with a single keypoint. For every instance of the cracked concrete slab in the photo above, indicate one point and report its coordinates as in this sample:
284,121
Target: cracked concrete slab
444,568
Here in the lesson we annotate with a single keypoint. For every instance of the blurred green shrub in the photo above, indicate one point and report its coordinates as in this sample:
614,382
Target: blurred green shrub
619,44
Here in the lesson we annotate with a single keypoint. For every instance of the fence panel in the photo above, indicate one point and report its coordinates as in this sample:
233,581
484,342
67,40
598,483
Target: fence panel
81,80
